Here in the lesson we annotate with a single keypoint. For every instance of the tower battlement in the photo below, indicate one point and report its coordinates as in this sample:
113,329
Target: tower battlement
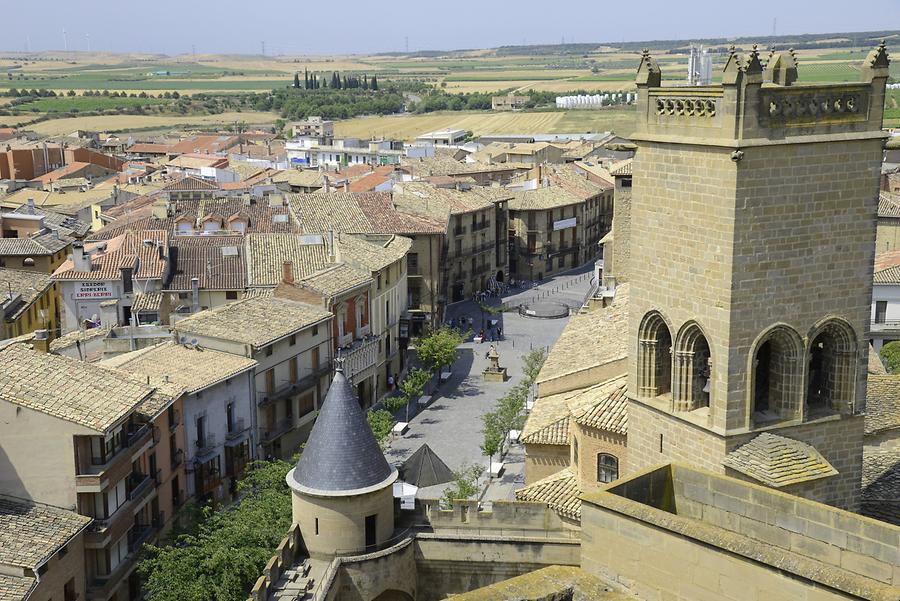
758,103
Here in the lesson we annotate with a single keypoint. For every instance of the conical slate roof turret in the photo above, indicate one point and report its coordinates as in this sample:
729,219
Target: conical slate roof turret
341,455
425,468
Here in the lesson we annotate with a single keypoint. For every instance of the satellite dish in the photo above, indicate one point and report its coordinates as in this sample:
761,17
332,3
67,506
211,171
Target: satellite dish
194,341
183,339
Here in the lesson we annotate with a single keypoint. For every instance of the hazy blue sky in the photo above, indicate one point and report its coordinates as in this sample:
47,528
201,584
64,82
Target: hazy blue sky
354,26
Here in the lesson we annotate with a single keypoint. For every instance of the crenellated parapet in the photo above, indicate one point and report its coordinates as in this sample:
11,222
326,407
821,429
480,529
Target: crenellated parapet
758,101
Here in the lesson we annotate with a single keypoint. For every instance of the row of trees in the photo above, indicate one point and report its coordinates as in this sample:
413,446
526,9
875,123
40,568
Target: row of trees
434,351
333,103
42,93
510,411
315,81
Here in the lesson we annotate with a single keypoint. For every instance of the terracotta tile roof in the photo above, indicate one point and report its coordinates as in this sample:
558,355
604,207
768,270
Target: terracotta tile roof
34,246
610,413
602,330
566,187
336,279
888,275
255,321
889,258
137,249
882,403
621,168
554,433
68,226
190,368
147,302
445,165
357,213
368,183
189,183
146,148
31,533
266,254
777,461
888,205
439,203
216,261
301,178
881,484
27,285
68,340
164,394
371,254
15,588
205,144
197,161
71,390
559,491
61,173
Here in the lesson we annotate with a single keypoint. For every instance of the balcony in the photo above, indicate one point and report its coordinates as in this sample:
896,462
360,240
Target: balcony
363,331
177,458
885,326
139,535
481,226
237,429
139,436
459,230
278,428
139,484
360,356
174,420
205,446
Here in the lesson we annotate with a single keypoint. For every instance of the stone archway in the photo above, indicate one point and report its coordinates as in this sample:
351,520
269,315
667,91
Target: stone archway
393,595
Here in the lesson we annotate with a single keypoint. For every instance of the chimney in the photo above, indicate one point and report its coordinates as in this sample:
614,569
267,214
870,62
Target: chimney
332,253
81,259
195,295
29,206
327,184
41,342
287,272
346,186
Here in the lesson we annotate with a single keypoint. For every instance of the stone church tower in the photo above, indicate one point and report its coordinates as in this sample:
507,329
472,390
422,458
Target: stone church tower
342,486
753,221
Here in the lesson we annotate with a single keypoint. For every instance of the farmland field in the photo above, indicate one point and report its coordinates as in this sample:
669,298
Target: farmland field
408,127
117,123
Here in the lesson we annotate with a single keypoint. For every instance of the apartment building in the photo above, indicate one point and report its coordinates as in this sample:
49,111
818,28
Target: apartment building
217,409
82,437
41,551
313,126
104,276
473,258
344,152
28,302
289,345
385,258
556,222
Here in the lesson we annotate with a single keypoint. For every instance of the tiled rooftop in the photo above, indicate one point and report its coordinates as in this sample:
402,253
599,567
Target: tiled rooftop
216,261
266,254
601,406
888,205
605,407
440,203
604,331
882,403
28,285
371,254
30,532
139,250
190,368
255,321
559,491
71,390
336,279
778,461
34,246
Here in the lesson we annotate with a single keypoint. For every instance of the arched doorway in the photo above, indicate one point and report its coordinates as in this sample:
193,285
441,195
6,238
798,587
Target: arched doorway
655,360
500,276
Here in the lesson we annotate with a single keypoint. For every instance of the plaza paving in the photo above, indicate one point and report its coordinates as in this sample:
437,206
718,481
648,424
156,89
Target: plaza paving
451,423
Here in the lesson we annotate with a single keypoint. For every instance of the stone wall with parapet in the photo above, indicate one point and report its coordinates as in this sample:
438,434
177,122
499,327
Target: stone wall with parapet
499,518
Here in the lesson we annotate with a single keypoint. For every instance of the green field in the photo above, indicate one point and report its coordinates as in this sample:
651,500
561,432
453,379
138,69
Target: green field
85,103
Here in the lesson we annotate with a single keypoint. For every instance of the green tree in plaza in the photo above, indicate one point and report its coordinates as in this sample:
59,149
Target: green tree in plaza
438,348
224,555
381,422
532,364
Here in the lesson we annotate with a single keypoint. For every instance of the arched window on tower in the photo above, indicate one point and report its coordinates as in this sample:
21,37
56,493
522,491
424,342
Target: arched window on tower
607,467
655,361
831,373
693,369
775,378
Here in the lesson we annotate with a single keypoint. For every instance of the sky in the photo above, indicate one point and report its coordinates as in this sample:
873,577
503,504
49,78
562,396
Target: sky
369,26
